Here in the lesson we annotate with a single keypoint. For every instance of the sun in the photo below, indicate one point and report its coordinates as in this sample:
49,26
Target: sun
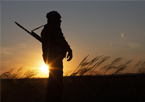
44,68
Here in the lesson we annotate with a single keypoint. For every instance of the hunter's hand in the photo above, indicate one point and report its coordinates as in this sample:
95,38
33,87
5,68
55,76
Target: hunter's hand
69,55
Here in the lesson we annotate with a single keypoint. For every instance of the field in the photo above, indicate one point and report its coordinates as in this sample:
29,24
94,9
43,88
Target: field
118,88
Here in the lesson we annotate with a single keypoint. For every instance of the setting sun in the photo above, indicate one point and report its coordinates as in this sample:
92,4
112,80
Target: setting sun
44,69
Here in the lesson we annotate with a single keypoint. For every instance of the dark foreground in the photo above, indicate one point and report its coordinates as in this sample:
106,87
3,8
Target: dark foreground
78,89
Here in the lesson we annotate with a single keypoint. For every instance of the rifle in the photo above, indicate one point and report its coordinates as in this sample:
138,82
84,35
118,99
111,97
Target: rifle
33,34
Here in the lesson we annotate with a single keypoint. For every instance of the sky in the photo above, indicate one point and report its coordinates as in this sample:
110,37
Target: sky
94,28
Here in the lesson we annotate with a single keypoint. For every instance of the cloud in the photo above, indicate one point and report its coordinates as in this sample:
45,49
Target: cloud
22,45
6,50
10,50
134,45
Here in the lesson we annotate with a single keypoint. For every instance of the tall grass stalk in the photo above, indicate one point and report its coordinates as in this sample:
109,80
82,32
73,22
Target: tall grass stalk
141,67
10,74
87,67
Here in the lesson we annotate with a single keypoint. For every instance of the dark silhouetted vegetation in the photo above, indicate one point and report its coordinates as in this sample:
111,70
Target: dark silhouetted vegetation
92,67
87,83
10,74
86,67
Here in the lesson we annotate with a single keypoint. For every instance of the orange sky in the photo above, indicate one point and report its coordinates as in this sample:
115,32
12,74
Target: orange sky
96,28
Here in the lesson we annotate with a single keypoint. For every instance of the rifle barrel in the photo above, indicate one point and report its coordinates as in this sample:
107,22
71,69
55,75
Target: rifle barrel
23,28
33,34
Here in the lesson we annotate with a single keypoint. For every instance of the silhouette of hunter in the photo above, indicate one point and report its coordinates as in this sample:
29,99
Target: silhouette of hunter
54,48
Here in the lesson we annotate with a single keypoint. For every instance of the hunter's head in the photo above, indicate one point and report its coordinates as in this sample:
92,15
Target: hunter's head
53,17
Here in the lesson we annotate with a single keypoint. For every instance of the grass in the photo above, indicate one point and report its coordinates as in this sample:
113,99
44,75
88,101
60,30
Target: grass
91,67
85,84
78,89
86,67
18,74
